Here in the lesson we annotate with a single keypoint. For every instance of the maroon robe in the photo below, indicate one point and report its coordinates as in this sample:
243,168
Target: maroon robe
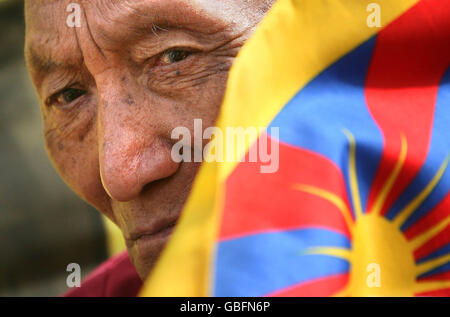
115,277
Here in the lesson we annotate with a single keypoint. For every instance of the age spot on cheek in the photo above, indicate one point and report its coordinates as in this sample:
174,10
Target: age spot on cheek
60,146
129,100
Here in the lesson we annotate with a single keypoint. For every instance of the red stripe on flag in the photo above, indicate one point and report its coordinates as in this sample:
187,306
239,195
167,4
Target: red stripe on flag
257,203
438,277
431,219
438,293
410,58
325,286
437,242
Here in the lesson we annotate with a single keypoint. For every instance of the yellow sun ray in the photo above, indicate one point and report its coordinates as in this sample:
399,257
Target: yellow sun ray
403,215
432,264
332,198
430,233
381,198
340,253
352,174
371,231
427,286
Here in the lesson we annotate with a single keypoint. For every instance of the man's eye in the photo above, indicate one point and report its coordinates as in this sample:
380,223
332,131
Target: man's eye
173,56
66,96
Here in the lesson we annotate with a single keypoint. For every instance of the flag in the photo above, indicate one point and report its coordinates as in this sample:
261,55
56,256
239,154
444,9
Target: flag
360,203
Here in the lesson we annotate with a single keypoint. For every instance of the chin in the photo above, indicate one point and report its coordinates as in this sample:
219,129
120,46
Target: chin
145,252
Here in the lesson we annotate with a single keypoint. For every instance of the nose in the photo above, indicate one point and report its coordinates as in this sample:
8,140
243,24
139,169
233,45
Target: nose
133,149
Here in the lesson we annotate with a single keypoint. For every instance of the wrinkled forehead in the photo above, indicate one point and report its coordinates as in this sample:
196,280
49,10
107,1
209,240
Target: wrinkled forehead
47,33
118,20
114,25
41,15
49,16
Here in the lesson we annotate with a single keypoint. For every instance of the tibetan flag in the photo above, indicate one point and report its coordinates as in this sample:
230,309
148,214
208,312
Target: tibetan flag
360,203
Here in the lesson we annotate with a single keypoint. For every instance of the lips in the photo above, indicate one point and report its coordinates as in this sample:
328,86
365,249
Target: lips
159,230
146,244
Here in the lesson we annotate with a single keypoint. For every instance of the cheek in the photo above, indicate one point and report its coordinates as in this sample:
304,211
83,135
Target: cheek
211,98
75,156
203,101
206,101
199,83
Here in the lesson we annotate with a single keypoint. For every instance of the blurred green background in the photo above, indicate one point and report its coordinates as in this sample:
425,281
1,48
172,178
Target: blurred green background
43,225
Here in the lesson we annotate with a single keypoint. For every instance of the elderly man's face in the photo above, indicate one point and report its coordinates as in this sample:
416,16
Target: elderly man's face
113,89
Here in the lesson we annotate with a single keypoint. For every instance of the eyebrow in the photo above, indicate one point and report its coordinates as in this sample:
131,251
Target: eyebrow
38,62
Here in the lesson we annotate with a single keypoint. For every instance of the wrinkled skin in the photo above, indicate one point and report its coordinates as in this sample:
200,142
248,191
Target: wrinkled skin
112,91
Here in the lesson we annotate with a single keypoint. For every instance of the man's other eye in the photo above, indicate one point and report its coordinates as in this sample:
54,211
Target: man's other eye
66,96
173,56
